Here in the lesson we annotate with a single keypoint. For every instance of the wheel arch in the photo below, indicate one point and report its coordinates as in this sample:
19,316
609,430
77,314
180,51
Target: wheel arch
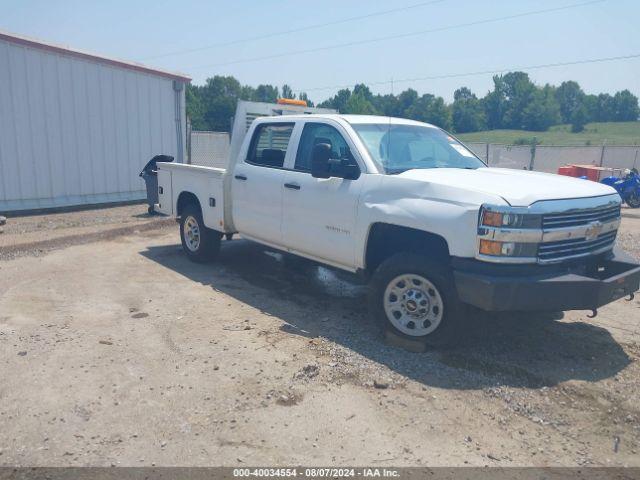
186,198
385,240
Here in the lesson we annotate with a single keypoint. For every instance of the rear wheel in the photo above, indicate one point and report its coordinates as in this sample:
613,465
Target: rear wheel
633,200
201,244
415,298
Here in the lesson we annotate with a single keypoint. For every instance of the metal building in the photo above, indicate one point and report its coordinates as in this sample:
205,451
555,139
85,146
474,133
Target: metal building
77,128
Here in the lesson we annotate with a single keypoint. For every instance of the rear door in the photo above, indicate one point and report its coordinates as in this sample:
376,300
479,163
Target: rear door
319,215
258,183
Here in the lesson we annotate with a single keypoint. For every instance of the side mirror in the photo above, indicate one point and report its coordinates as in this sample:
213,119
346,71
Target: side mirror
320,156
350,172
323,166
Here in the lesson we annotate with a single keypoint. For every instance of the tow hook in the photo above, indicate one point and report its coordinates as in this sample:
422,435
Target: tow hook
631,297
594,313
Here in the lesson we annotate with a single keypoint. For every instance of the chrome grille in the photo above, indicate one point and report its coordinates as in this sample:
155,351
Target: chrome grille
580,217
564,249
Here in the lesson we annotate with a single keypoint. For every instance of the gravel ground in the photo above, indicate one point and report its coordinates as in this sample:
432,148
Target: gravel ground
122,352
38,234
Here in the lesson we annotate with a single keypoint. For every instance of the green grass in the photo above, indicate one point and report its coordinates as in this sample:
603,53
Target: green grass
614,133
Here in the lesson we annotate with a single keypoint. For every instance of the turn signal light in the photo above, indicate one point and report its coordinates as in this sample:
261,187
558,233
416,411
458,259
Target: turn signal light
491,219
489,247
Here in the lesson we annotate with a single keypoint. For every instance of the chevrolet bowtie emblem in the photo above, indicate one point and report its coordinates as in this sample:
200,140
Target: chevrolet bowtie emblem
593,230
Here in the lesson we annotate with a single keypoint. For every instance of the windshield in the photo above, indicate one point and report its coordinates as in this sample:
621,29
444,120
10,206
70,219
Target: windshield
397,148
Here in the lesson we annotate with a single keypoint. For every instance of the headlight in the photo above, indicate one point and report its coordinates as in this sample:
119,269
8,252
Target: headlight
491,216
511,233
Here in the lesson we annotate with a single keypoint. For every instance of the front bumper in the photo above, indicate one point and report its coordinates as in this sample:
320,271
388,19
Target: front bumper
598,284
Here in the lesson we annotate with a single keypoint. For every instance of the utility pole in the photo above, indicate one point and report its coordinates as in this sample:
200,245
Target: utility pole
533,153
604,145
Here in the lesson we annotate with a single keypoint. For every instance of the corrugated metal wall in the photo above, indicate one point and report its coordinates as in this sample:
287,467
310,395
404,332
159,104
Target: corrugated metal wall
74,131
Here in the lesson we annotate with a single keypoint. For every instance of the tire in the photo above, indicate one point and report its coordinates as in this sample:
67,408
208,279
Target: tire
201,244
151,210
406,284
633,200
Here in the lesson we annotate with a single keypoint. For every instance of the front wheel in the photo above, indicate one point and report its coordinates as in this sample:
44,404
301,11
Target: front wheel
633,200
415,298
201,244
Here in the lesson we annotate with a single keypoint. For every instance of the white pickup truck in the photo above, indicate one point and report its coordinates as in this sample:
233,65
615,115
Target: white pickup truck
407,206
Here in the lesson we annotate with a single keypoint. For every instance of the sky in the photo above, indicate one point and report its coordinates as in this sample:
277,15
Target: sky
437,38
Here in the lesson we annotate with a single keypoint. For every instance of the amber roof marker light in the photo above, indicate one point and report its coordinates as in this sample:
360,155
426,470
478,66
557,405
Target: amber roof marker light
292,101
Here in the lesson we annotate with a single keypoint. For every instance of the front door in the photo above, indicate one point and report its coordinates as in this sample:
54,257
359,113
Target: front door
319,215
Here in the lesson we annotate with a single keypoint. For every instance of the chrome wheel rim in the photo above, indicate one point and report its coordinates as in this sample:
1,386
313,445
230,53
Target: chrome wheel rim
191,233
413,305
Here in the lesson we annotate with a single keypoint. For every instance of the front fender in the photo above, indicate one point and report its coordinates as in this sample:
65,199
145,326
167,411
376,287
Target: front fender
449,212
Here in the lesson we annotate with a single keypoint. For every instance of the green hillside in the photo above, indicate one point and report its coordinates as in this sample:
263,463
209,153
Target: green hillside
615,133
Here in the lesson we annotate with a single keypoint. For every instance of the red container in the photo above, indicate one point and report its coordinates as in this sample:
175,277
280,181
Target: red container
568,170
592,173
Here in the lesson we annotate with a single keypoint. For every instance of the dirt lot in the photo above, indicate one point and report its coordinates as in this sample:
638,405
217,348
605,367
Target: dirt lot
116,350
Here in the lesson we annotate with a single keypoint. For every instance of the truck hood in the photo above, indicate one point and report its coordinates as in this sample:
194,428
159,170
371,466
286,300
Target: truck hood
519,188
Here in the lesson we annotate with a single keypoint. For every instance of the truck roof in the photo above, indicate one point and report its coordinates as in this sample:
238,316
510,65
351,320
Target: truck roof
352,119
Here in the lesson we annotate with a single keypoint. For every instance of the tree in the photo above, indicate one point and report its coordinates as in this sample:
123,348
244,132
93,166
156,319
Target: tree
405,100
579,119
266,93
570,98
431,109
625,107
590,104
287,92
542,110
339,101
358,103
195,107
388,105
605,108
495,104
362,89
518,93
467,112
303,96
514,102
220,96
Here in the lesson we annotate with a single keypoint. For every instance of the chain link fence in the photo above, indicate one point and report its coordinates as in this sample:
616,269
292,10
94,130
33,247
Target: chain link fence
548,158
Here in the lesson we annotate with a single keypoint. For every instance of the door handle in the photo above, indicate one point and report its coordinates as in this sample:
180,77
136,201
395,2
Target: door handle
240,177
292,186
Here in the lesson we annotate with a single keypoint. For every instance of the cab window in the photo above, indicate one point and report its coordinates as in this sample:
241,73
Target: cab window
315,133
269,144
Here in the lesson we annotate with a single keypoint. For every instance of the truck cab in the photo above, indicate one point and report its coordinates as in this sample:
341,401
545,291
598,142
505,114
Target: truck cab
407,206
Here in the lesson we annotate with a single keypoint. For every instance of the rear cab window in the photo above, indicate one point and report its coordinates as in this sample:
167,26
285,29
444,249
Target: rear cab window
269,144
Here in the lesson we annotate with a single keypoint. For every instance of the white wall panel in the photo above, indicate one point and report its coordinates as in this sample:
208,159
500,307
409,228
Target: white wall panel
75,131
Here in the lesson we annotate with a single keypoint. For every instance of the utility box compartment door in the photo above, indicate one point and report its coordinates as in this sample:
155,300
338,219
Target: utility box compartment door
165,202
